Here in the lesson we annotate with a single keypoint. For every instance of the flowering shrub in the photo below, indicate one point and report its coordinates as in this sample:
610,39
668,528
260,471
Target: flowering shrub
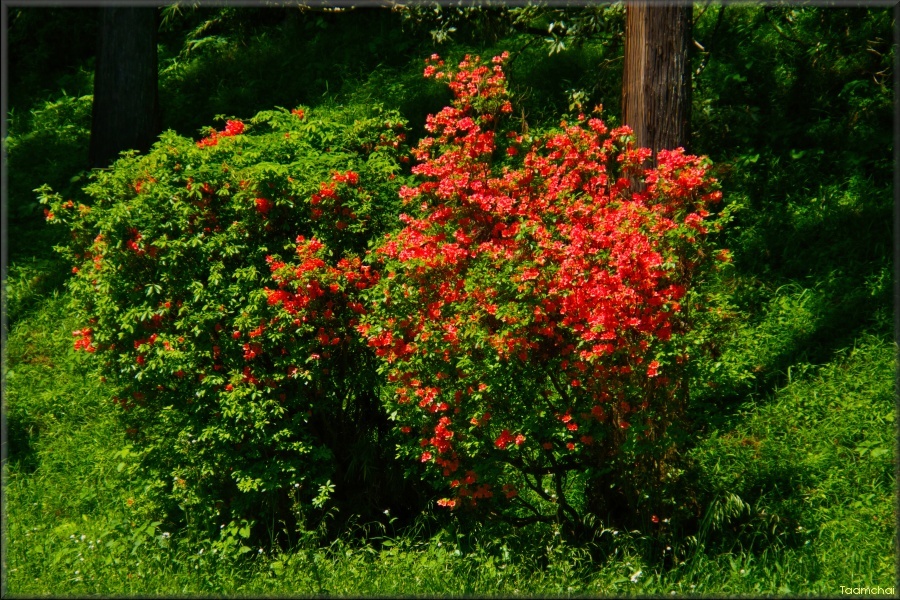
532,313
232,370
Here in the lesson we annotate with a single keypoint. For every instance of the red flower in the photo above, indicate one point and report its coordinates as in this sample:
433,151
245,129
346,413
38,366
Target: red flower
504,439
262,205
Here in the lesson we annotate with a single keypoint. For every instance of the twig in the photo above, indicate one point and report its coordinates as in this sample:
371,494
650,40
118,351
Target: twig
711,43
789,38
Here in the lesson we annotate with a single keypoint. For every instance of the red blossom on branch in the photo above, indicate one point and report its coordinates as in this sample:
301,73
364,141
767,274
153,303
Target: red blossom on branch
551,257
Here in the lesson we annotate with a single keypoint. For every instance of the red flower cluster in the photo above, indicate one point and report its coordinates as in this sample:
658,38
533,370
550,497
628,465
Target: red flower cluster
84,339
554,262
232,128
335,199
314,292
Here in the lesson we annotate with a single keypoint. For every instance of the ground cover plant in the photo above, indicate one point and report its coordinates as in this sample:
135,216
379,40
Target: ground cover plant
278,384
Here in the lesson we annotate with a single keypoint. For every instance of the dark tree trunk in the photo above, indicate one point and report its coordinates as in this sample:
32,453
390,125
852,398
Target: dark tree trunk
656,91
126,99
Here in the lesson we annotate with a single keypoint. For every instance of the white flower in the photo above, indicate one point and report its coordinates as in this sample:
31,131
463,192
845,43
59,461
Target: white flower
166,535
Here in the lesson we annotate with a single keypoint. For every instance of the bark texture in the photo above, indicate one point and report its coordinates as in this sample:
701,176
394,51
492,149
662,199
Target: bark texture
126,96
656,91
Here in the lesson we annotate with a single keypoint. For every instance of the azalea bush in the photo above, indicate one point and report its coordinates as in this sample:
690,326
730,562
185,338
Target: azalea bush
245,386
534,314
528,320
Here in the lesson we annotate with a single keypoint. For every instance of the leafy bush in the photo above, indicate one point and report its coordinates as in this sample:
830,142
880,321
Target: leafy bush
223,391
48,145
534,315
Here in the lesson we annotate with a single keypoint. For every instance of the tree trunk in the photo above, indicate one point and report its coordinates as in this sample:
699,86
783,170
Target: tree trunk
126,98
656,103
656,91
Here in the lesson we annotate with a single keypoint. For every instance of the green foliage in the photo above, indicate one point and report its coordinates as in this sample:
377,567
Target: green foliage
171,256
240,60
27,282
811,468
559,27
50,49
48,146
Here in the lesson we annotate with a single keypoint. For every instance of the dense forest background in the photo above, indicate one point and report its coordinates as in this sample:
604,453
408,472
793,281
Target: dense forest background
792,468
